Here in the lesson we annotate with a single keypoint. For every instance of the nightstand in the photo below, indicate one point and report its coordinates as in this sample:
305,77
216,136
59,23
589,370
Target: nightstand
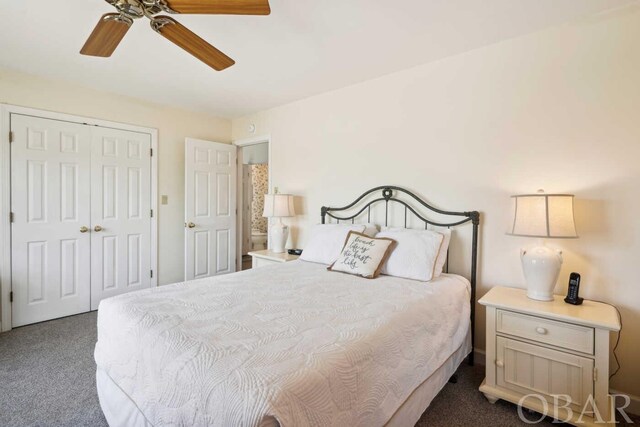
549,350
266,257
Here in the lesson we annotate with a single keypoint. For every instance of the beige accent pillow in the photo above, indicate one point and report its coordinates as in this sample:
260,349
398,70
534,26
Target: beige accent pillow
363,255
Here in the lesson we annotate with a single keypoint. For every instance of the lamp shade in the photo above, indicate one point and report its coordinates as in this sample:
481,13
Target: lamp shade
543,215
278,205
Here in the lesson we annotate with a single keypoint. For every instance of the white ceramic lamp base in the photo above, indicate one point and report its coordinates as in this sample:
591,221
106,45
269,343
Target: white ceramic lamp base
278,235
541,267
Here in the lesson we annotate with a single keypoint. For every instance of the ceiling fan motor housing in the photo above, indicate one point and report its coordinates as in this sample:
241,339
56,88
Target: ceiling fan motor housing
131,8
139,8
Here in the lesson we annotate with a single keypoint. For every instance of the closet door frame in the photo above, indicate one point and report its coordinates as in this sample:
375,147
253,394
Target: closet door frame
6,110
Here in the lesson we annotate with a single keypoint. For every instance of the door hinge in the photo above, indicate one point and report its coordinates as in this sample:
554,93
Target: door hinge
151,152
11,136
151,274
10,216
595,374
151,213
11,296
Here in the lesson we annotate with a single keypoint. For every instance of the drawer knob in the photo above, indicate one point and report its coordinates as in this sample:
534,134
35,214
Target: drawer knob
499,363
541,330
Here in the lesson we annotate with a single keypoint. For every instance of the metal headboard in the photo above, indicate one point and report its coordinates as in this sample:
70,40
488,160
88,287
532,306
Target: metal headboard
387,197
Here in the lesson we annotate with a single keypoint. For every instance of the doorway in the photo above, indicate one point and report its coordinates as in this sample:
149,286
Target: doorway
255,184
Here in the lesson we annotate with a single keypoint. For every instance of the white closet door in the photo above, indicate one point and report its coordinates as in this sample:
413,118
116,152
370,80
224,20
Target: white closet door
50,255
210,205
120,213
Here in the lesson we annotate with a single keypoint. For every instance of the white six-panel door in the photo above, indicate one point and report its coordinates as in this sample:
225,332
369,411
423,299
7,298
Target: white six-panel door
210,208
50,256
81,229
120,213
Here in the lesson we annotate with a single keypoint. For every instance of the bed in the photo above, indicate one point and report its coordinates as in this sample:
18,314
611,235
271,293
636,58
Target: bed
290,344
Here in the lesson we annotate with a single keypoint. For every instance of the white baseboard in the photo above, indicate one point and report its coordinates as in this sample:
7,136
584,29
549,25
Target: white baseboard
480,358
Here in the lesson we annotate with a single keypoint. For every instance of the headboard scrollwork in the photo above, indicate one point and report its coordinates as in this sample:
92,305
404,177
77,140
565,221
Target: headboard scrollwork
389,194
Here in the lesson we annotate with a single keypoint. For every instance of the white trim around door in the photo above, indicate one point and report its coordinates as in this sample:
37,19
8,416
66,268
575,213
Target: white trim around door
6,111
261,139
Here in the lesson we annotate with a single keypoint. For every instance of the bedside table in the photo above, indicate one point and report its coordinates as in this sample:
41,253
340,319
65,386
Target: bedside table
266,257
550,349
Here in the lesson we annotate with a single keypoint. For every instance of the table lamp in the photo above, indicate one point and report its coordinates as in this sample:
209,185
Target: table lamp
278,206
543,216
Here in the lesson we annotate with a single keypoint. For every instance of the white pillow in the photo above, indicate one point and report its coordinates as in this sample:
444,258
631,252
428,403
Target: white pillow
415,254
327,241
442,254
371,229
363,255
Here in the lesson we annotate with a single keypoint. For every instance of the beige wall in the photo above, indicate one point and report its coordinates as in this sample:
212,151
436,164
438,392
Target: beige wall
558,110
173,126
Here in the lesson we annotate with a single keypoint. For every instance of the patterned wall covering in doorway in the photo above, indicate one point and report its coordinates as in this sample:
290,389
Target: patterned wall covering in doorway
260,184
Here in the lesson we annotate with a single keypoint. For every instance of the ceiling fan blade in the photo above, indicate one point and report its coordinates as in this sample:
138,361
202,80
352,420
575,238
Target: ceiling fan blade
107,35
225,7
180,35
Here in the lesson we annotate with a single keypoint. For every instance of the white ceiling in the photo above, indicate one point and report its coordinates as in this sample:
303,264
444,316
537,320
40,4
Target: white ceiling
303,48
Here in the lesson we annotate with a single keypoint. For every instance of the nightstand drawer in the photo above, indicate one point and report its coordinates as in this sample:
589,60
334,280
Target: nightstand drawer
266,257
261,262
559,334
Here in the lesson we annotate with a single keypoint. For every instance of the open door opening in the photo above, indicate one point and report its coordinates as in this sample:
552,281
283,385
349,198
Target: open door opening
254,225
255,184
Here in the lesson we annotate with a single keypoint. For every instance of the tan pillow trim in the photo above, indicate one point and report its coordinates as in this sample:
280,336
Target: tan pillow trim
435,260
384,259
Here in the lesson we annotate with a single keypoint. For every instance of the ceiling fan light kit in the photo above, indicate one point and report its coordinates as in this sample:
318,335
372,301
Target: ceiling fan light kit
112,27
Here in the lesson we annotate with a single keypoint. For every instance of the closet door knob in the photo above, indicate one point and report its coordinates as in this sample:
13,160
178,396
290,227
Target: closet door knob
97,228
83,229
191,225
541,330
499,363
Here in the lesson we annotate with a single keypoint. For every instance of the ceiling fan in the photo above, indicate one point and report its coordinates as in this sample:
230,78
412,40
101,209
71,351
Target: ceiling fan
112,27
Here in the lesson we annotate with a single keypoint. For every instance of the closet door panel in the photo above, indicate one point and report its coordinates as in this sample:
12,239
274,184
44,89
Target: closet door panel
121,212
50,187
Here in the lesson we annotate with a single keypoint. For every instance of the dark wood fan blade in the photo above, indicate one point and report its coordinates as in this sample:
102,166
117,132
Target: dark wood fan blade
177,33
107,35
225,7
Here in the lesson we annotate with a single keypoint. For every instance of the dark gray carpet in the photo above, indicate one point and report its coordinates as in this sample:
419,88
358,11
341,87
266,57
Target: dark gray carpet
47,374
47,378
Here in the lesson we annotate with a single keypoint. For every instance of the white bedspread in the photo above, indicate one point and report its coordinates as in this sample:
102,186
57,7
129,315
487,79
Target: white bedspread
291,342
